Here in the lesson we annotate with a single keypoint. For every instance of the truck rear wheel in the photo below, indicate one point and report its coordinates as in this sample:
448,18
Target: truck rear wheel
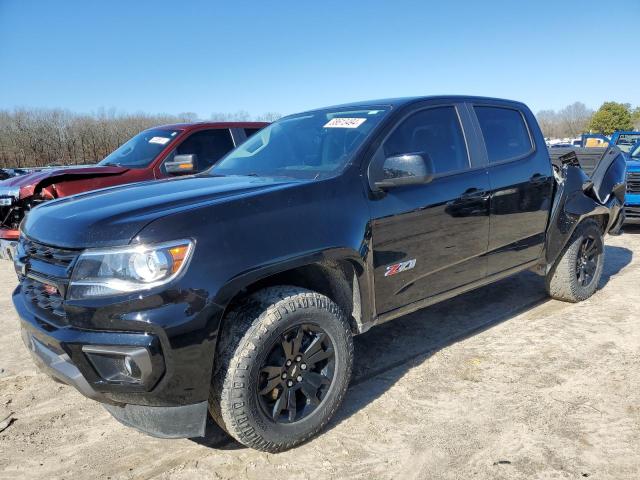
576,274
282,369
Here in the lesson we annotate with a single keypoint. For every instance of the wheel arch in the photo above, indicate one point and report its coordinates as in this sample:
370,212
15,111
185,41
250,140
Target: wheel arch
562,229
572,206
340,274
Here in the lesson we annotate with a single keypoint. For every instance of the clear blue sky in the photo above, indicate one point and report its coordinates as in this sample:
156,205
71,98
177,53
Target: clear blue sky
287,56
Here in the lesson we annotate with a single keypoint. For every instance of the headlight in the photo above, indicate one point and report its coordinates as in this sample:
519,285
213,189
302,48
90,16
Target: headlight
10,192
101,273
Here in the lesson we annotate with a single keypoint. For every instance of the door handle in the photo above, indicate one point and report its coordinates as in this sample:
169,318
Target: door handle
538,178
473,193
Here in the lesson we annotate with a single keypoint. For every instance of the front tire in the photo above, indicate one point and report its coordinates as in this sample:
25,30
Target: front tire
283,367
576,274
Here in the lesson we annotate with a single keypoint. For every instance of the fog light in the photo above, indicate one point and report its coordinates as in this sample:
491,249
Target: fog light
120,364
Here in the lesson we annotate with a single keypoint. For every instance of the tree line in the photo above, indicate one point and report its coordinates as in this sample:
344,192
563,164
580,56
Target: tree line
42,137
575,119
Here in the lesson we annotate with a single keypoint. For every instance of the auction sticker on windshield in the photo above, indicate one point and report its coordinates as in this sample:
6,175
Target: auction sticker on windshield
160,140
345,122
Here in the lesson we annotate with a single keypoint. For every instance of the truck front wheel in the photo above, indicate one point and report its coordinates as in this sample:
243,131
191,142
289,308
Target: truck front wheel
282,368
576,274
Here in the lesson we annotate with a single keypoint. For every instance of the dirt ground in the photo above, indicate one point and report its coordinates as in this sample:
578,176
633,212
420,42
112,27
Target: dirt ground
499,383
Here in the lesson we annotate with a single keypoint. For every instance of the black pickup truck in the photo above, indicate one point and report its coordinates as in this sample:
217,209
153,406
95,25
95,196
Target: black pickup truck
236,293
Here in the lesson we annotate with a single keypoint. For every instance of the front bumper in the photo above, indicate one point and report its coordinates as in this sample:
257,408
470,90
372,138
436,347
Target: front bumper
59,366
58,352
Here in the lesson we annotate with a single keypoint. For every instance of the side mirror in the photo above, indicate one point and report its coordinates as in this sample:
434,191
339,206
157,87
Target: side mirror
407,169
182,164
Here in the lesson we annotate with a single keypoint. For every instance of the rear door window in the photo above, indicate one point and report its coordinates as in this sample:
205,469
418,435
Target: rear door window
505,133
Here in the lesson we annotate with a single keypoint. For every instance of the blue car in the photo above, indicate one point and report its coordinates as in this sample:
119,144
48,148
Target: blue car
632,198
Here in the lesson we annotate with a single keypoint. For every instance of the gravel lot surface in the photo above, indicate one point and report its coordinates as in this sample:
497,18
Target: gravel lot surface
499,383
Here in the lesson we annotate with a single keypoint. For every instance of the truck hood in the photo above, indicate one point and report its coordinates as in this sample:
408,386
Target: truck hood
28,183
633,165
113,216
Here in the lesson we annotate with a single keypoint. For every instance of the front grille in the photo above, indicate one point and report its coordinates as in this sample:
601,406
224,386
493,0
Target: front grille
632,212
57,256
44,296
633,182
48,271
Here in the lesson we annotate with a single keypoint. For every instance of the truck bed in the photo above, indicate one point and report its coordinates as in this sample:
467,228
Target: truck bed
587,157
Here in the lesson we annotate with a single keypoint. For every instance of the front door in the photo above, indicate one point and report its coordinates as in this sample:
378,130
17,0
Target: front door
428,239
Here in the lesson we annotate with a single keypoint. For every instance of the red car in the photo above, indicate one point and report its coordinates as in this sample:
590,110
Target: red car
158,152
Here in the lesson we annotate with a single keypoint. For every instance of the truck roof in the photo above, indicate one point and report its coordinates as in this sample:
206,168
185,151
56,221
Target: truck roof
193,125
402,101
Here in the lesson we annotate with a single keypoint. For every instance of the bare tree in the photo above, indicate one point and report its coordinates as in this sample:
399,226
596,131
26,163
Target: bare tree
239,116
548,120
41,137
570,121
575,118
269,117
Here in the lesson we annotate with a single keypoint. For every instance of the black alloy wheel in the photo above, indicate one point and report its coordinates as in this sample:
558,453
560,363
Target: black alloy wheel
576,273
296,374
587,260
282,367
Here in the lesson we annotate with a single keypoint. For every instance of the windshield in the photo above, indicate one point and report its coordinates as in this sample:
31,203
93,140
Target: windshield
141,150
627,140
635,151
305,146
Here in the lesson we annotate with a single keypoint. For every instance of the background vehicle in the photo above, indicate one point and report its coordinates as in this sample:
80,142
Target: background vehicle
621,139
632,203
158,152
13,172
237,292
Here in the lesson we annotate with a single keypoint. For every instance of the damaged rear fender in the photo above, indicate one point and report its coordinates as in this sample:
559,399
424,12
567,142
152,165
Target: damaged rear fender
578,198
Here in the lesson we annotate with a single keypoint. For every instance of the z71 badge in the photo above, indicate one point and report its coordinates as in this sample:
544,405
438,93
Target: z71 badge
400,267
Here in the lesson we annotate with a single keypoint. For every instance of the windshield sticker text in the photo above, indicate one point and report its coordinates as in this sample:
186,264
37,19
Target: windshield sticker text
160,140
345,122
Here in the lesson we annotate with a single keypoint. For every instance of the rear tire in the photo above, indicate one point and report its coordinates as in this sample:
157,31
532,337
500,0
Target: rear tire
282,368
576,274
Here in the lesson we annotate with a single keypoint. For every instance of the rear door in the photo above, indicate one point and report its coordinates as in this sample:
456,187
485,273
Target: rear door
428,239
521,180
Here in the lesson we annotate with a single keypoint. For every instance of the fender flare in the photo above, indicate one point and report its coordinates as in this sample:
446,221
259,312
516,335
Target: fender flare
576,209
360,284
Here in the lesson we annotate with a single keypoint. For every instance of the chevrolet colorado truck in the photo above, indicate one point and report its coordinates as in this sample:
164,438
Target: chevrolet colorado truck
235,293
155,153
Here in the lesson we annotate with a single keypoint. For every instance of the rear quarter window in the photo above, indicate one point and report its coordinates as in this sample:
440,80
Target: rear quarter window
505,133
